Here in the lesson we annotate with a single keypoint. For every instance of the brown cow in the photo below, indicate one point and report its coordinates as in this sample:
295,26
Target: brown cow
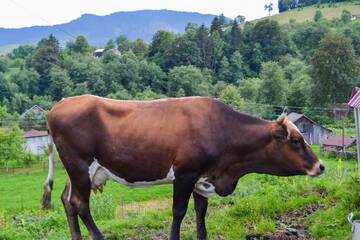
199,144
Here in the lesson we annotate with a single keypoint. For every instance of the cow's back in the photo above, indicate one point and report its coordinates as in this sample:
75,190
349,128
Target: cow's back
126,135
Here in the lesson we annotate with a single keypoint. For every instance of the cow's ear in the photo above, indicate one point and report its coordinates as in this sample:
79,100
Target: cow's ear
279,133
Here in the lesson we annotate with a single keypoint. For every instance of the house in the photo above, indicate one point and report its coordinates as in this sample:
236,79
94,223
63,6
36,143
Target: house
36,110
34,117
335,143
36,141
101,51
313,132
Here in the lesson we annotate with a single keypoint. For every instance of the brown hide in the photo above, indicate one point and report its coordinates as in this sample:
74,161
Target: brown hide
142,140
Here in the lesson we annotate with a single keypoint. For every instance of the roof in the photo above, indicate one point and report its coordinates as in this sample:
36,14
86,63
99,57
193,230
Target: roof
34,133
337,141
99,50
294,117
355,98
34,108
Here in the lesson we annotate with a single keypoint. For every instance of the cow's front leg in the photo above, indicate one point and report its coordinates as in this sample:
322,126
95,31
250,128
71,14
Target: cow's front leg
201,204
183,187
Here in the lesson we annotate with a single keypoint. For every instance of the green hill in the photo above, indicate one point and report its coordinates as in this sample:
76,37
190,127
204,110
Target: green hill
329,11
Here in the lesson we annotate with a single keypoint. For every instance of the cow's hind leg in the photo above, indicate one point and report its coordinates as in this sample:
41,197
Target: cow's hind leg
76,198
183,187
71,213
201,204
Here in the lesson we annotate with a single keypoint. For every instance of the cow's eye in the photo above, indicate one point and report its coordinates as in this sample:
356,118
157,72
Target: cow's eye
295,141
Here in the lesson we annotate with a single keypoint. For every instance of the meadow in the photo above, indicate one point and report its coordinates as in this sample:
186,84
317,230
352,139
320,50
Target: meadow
257,207
306,14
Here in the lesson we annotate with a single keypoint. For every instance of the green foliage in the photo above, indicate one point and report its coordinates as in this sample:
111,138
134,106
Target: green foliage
187,78
318,16
231,96
80,45
11,149
335,70
345,16
273,89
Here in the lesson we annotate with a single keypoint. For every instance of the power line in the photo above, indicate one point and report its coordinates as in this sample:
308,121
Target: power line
41,18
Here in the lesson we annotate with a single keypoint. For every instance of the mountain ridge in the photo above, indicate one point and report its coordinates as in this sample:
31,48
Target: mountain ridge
99,29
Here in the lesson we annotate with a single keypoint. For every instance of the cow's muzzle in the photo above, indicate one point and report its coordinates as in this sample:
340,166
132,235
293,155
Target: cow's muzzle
317,169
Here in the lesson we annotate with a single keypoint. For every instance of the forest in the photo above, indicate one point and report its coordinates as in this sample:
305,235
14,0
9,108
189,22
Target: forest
258,67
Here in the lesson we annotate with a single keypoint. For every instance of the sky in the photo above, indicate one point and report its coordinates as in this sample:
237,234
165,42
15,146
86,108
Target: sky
25,13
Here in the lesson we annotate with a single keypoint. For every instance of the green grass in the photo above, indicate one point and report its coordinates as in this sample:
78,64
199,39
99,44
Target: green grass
307,13
254,208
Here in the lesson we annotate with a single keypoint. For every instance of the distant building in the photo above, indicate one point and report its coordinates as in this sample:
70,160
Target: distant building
35,110
313,132
36,141
335,143
101,51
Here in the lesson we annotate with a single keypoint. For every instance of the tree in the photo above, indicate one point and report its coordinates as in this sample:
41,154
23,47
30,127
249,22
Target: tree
110,45
335,70
249,89
161,43
183,51
236,67
269,8
22,52
140,48
123,44
235,37
273,89
152,75
231,96
216,26
273,42
318,16
308,36
80,45
187,78
45,57
27,80
11,148
240,19
345,16
205,46
61,85
224,70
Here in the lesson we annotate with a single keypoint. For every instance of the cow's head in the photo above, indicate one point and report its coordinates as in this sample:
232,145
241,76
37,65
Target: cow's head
289,151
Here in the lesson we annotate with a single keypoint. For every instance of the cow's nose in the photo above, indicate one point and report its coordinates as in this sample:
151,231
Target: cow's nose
322,167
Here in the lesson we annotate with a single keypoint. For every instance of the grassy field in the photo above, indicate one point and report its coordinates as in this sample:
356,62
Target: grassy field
307,13
254,209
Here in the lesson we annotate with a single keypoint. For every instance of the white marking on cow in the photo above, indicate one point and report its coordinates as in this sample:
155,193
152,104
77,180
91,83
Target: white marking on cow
99,175
315,170
204,188
69,194
297,129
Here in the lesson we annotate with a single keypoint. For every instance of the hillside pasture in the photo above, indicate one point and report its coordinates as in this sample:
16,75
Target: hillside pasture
306,14
256,207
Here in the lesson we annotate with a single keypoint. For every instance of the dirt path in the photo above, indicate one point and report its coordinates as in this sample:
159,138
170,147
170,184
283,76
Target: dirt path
291,226
143,207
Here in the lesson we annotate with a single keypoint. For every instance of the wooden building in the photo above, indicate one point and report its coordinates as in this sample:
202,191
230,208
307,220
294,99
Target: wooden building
313,132
337,143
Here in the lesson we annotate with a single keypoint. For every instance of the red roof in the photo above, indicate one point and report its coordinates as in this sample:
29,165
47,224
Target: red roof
355,98
35,133
337,141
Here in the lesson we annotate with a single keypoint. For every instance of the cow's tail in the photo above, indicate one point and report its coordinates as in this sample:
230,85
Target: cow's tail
48,185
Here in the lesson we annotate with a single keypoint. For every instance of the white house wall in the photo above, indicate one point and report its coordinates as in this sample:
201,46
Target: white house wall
36,145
